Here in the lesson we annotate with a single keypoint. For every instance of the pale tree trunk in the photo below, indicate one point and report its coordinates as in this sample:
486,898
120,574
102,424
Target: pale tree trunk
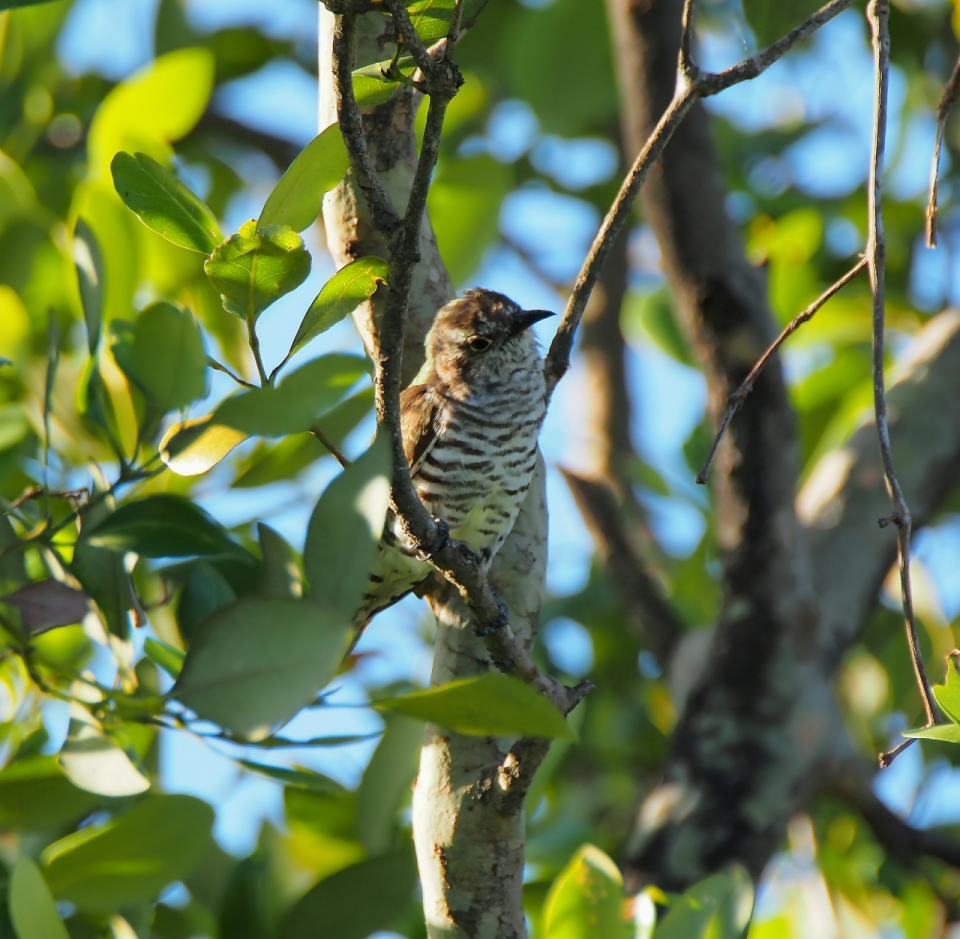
468,798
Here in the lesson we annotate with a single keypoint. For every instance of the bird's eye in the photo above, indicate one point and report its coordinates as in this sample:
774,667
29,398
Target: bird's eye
480,343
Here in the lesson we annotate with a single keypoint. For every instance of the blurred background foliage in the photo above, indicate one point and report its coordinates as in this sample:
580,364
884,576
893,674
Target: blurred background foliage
531,159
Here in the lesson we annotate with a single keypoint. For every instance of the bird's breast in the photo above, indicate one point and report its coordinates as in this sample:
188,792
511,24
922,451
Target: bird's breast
478,472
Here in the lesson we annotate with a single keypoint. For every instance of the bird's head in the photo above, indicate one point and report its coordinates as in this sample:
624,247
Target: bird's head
481,338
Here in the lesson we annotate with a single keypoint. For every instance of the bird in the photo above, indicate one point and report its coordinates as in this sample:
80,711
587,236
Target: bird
470,421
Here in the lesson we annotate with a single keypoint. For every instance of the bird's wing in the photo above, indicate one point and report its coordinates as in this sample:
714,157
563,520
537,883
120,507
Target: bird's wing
419,410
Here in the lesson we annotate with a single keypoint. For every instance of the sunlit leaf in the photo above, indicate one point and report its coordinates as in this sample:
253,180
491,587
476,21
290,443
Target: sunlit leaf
296,199
88,262
30,902
353,903
164,204
432,18
372,87
159,104
255,267
168,358
488,705
340,296
196,446
168,657
586,900
162,526
949,733
718,907
948,694
93,761
255,663
132,857
297,401
345,529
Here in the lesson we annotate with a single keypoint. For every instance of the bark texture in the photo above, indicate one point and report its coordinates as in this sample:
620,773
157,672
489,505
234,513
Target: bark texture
760,730
468,798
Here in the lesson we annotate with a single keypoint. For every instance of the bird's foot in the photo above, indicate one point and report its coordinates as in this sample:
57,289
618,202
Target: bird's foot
440,542
501,622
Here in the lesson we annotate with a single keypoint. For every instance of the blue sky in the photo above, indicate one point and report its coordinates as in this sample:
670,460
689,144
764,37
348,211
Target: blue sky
114,37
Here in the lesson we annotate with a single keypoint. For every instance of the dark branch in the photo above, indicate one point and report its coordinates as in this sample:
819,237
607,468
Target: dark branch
878,12
692,84
951,92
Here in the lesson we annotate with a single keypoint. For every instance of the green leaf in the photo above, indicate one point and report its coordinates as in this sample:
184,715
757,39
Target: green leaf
93,761
386,781
372,87
488,705
718,907
32,910
345,529
353,903
297,401
270,462
299,777
464,204
949,733
244,912
770,20
197,445
280,570
14,4
164,204
340,296
88,262
948,694
168,657
163,526
205,591
296,199
586,900
36,796
95,405
131,858
253,268
652,316
254,664
168,359
432,18
158,104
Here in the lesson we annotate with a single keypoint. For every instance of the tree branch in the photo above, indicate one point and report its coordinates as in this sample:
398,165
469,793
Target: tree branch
878,13
691,85
951,92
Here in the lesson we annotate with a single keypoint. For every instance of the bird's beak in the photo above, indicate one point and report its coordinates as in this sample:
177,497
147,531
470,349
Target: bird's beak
526,318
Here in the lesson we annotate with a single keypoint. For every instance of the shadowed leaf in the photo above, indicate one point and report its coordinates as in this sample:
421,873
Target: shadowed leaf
47,604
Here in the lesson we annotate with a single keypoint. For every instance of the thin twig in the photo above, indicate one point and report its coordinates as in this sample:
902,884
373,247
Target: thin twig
411,38
220,367
692,84
878,13
735,401
336,452
951,92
